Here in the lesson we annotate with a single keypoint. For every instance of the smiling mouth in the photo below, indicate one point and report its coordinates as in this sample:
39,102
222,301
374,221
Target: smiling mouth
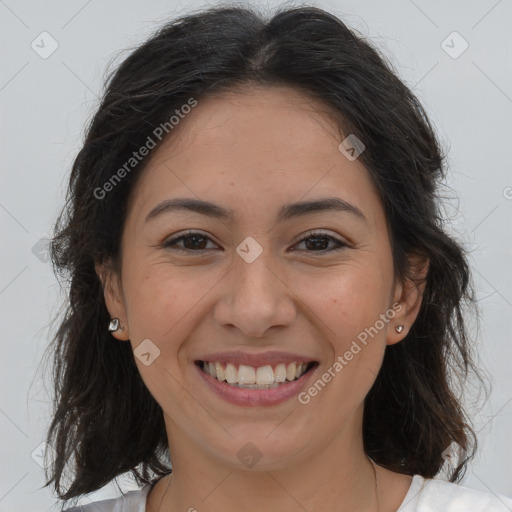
250,377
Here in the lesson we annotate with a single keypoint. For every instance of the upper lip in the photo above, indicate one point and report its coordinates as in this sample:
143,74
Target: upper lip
272,358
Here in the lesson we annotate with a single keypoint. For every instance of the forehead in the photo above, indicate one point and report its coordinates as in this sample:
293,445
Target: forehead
256,120
259,146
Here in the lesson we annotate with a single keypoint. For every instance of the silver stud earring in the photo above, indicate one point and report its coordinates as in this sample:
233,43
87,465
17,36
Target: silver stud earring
113,325
399,328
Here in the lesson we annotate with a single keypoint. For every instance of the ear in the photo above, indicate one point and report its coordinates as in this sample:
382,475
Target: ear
114,302
409,295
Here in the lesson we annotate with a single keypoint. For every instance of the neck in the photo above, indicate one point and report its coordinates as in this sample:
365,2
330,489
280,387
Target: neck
341,477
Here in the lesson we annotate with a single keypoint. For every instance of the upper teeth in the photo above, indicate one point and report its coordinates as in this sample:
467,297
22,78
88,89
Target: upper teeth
262,375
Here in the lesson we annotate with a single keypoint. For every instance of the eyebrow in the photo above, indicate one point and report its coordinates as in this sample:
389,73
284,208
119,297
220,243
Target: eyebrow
288,211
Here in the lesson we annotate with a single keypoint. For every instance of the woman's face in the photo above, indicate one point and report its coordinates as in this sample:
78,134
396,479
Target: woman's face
255,288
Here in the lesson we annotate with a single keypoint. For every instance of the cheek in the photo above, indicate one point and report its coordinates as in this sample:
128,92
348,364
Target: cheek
162,308
347,301
347,307
159,302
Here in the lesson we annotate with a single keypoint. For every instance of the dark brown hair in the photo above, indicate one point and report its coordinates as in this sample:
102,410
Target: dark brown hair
105,421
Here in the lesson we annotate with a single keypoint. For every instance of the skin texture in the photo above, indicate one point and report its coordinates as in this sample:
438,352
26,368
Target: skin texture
254,151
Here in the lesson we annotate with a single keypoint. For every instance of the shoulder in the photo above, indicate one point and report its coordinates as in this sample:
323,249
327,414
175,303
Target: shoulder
431,494
132,501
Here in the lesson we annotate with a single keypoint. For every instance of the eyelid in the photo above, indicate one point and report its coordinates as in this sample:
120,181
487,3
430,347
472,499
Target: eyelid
320,232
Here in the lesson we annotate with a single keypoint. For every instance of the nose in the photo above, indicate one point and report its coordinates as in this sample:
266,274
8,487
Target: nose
255,297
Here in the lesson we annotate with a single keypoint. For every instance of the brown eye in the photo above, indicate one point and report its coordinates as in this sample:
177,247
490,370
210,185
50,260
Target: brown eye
319,241
193,241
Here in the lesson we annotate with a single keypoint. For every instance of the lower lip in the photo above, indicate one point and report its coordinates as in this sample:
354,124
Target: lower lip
254,397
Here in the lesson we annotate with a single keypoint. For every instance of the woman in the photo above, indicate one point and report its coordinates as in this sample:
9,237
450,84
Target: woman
262,294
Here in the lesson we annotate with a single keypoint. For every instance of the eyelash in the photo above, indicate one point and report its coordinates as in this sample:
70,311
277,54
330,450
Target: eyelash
310,234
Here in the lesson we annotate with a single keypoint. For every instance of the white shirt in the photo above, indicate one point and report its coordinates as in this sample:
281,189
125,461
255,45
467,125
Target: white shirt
424,495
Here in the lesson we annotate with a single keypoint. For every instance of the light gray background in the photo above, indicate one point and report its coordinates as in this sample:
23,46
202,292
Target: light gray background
45,103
